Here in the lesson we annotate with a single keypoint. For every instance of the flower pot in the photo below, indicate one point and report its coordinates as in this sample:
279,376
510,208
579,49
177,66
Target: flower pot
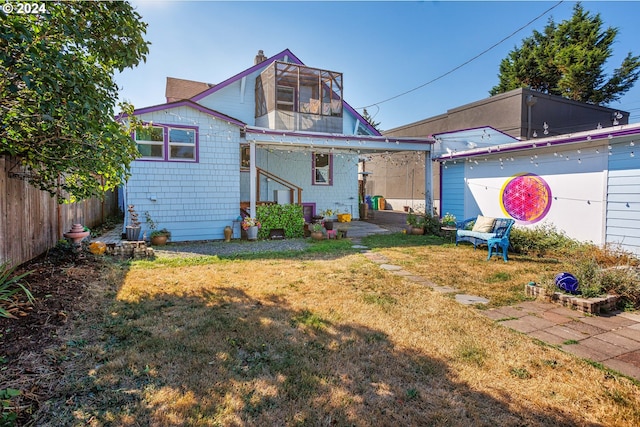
344,217
133,233
417,230
317,235
252,233
328,224
228,232
160,240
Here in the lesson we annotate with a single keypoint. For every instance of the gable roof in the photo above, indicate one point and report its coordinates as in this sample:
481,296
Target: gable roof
190,104
281,56
177,89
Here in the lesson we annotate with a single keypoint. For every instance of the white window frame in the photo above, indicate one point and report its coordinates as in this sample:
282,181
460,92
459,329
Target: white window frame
149,142
325,171
171,144
167,144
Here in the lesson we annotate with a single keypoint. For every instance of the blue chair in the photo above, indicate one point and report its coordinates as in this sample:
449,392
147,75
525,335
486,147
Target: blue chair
502,229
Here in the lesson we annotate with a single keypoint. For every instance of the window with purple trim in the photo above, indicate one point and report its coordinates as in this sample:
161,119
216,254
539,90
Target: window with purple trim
245,157
150,142
164,143
322,169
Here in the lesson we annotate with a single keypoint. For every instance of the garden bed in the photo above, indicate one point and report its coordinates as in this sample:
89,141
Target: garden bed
598,305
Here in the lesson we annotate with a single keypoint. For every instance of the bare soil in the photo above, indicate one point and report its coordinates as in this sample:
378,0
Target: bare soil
58,281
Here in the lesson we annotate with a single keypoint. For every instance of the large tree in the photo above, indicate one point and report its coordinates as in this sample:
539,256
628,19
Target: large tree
568,59
58,96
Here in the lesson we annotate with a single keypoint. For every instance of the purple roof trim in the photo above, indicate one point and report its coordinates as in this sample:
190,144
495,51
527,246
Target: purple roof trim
187,103
339,136
246,72
542,143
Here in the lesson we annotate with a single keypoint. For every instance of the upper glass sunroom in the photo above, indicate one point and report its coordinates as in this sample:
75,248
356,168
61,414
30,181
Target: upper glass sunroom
295,97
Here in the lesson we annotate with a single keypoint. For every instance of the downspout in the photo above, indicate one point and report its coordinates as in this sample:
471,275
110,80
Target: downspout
428,183
530,101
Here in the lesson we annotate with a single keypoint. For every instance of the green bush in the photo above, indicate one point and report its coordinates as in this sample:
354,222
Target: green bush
288,217
596,280
541,240
622,280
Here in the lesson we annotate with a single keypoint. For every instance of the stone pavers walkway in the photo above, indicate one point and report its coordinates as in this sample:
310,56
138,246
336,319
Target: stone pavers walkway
612,340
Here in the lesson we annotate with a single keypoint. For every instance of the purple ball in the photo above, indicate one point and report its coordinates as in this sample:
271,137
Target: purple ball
567,282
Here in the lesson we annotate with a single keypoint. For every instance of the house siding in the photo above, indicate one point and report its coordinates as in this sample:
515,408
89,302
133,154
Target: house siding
577,185
195,201
295,167
453,184
623,199
231,100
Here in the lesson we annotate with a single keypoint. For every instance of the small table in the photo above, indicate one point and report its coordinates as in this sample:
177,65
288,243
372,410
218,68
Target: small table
449,231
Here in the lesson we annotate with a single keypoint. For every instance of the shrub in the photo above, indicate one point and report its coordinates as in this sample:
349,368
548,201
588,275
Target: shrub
541,240
287,217
432,225
9,286
596,280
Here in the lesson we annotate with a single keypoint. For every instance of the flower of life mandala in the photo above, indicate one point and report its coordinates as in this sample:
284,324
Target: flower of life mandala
525,197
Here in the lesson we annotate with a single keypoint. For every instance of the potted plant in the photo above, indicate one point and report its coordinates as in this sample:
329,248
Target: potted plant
133,229
316,231
251,226
157,237
328,219
449,220
416,223
160,237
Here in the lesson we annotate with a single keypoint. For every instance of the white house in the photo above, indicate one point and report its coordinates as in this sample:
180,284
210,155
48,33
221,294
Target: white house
586,184
277,131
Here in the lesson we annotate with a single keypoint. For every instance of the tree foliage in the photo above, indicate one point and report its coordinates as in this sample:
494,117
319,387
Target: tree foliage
369,118
568,60
58,96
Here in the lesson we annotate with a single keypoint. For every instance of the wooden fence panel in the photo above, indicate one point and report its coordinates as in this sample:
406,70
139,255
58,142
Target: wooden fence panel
31,221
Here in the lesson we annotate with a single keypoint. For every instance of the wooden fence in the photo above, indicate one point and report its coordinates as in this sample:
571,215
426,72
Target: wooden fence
31,221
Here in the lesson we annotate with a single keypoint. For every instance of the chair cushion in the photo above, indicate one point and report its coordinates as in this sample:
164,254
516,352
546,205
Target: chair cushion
484,224
482,236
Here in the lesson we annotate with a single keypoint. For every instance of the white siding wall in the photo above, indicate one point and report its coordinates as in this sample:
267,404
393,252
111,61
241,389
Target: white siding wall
577,188
230,100
295,167
623,198
195,201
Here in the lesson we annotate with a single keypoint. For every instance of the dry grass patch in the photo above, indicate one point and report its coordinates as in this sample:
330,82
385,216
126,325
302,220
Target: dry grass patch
468,270
324,342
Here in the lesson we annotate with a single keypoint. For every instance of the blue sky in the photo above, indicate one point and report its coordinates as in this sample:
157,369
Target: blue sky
384,49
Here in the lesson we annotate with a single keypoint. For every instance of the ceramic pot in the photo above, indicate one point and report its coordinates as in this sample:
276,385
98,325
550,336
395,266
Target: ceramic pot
317,235
417,231
159,240
228,231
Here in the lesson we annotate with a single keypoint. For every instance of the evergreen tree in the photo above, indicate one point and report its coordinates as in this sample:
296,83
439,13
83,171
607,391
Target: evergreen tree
568,60
368,118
